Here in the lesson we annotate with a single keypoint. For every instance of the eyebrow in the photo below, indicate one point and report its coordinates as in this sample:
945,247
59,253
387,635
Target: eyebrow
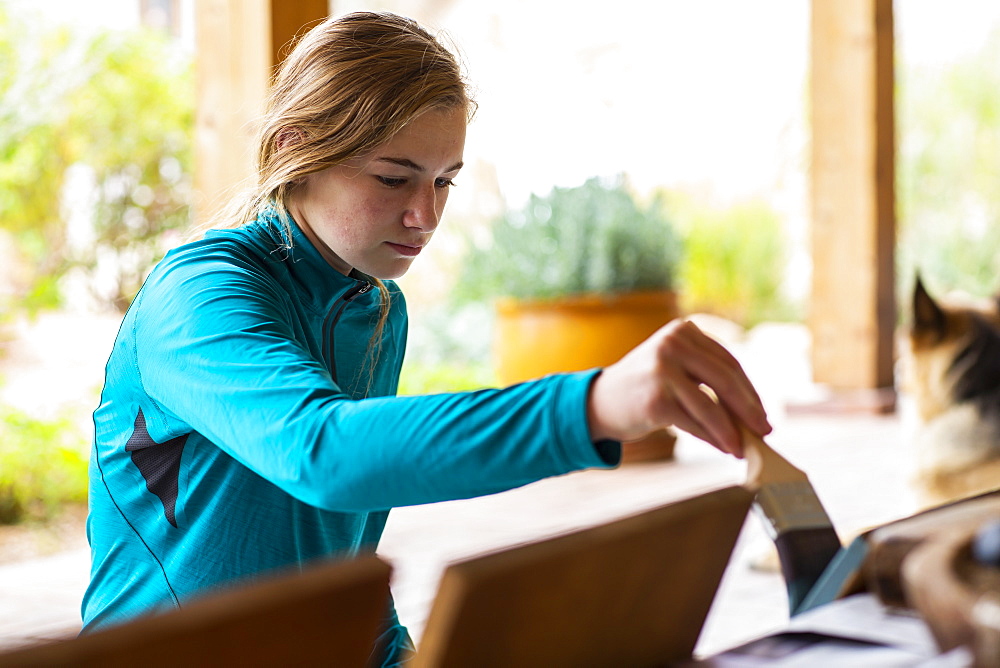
409,164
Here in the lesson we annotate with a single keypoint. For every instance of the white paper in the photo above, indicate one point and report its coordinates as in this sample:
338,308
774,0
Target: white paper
855,631
863,617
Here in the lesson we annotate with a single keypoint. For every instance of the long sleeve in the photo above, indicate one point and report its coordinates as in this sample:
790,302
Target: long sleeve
217,350
235,435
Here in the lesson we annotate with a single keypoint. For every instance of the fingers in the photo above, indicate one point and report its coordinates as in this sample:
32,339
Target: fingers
688,406
710,421
694,428
706,362
679,376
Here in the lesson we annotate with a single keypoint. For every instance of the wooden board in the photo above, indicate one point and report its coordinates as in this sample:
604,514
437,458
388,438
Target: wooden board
853,232
239,43
328,614
632,592
890,545
957,597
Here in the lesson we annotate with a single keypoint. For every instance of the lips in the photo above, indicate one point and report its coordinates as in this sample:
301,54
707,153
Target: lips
402,249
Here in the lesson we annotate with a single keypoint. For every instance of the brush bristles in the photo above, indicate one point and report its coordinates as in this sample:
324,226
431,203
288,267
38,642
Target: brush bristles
790,506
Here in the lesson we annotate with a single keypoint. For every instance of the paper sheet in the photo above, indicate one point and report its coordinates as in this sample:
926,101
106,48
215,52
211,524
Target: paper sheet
864,618
855,631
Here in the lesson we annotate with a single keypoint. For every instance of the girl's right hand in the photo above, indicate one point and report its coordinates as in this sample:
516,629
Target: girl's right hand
669,379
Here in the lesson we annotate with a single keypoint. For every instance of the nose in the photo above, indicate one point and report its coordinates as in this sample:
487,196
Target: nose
424,209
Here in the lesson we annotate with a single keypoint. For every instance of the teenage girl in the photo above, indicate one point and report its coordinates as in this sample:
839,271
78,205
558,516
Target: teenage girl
248,420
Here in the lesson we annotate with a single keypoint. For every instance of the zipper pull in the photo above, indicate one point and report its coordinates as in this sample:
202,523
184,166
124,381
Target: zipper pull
359,289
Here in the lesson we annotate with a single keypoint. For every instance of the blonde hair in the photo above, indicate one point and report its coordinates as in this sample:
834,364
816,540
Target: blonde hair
348,85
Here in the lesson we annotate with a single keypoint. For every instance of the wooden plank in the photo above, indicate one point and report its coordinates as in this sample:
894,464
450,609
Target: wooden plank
631,592
238,44
853,201
328,614
289,19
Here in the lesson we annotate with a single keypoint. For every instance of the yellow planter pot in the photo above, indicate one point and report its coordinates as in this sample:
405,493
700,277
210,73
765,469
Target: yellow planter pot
538,337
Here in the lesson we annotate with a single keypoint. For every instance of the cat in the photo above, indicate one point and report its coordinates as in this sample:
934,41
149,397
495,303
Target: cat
951,369
950,374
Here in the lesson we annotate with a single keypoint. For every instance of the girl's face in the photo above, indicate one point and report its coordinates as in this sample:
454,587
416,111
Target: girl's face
376,212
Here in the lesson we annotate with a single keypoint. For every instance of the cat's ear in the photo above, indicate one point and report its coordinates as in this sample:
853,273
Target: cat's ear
927,315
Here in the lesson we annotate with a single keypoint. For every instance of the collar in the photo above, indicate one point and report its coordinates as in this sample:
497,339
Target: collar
314,275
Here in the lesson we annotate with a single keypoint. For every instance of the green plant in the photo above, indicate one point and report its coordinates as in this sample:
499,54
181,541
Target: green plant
949,158
42,466
446,350
116,112
734,262
593,238
142,174
420,377
39,70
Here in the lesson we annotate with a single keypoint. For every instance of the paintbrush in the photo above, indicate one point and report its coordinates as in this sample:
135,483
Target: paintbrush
793,516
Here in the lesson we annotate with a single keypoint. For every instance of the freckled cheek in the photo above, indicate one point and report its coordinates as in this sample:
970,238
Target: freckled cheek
364,220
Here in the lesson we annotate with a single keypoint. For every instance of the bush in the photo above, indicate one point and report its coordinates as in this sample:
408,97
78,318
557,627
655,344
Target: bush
734,262
42,466
448,350
418,377
949,158
593,238
116,113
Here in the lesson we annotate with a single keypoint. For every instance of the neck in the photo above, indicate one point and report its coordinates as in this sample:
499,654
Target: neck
325,251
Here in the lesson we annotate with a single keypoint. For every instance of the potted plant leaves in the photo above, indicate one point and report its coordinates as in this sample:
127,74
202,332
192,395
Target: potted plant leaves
580,277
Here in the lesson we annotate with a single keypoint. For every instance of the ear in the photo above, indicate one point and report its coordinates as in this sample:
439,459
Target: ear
927,315
289,136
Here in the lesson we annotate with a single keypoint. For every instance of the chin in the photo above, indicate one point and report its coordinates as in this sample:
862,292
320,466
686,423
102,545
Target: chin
388,273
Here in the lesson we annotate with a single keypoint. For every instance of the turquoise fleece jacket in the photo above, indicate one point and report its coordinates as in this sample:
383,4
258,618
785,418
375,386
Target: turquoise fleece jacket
241,429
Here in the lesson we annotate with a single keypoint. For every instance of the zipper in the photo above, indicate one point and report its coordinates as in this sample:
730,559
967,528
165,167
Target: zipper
333,317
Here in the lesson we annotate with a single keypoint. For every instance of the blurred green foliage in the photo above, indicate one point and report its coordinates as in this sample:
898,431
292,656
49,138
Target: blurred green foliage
430,377
948,174
95,162
449,349
115,111
735,260
42,466
592,238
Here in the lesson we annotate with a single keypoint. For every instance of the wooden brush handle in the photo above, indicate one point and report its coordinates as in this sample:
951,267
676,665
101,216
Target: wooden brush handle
764,465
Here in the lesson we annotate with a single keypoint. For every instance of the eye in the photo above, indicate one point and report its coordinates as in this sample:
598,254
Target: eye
443,183
391,181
